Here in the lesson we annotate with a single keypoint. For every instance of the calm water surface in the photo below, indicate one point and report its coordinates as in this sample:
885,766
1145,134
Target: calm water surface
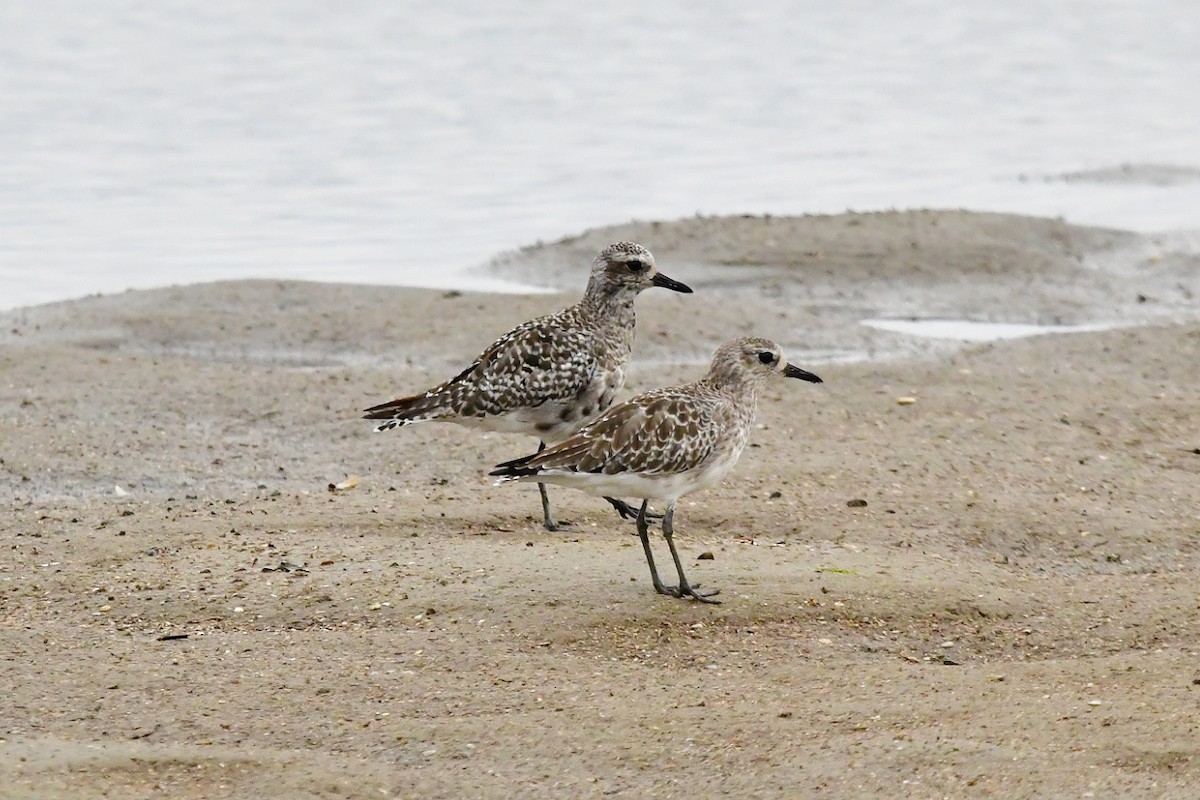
144,144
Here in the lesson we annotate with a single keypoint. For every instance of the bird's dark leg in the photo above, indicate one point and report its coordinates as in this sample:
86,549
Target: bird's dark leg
684,589
627,511
643,529
548,520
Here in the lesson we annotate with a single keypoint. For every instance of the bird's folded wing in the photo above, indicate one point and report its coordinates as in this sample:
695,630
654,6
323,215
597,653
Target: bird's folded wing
658,433
537,362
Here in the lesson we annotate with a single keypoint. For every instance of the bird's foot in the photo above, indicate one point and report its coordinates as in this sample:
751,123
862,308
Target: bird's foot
693,592
629,512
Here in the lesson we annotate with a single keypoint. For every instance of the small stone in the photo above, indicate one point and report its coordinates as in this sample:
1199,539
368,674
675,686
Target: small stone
905,401
705,556
775,495
785,715
857,502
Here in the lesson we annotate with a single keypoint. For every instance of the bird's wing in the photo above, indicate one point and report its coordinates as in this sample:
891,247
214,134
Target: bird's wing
661,432
539,361
546,359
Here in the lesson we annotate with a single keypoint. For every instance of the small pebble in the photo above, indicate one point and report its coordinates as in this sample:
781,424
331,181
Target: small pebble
705,556
857,502
905,401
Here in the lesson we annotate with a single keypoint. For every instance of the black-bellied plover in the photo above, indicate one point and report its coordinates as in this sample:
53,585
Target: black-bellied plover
666,443
550,375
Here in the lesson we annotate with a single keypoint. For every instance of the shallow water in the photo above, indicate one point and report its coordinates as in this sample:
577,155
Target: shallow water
964,330
147,144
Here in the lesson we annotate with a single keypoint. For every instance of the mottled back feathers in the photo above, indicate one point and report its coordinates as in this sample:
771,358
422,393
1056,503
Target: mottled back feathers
547,376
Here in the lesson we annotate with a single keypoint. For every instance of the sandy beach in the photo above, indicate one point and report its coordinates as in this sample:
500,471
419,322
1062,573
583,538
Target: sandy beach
951,570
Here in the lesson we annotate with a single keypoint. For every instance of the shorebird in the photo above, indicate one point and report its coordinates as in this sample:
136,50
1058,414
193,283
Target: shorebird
550,375
666,443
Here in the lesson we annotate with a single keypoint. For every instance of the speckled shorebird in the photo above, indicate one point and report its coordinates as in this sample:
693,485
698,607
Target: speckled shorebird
666,443
550,375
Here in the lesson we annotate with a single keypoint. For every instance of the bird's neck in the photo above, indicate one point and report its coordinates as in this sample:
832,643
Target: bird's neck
741,391
608,306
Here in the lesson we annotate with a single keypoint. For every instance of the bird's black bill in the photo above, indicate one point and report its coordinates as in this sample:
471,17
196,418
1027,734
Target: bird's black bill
666,283
802,374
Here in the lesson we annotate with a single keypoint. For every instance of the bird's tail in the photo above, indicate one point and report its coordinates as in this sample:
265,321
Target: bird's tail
424,407
516,469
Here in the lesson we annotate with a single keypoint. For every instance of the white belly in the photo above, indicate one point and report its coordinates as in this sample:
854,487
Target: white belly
659,488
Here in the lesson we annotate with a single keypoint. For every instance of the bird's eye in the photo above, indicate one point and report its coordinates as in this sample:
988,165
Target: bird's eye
766,357
635,265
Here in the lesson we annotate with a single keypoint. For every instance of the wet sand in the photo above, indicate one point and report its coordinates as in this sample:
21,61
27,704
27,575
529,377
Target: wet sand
188,611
